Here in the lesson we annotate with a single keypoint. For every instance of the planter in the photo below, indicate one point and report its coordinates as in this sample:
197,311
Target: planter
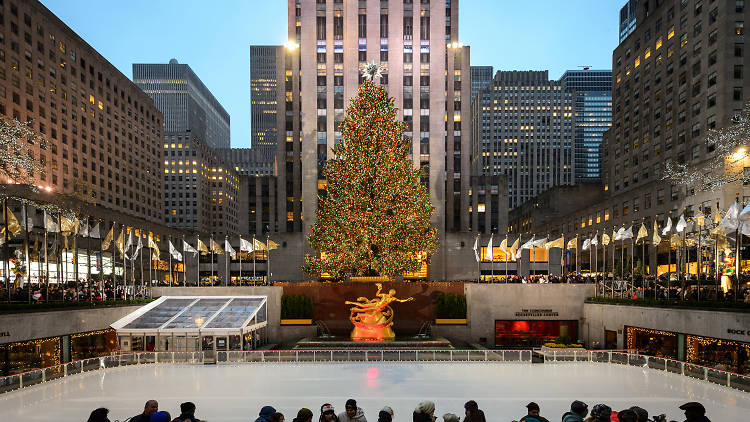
370,279
296,321
450,321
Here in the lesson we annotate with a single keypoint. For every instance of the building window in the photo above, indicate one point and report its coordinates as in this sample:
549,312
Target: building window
737,93
739,27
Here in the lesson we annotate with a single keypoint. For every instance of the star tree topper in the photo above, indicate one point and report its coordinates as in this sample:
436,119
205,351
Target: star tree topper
371,70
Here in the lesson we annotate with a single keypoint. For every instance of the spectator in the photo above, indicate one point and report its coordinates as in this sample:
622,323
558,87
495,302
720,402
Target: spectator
265,414
578,411
277,417
384,416
641,413
532,411
151,407
425,412
389,410
327,414
601,413
99,415
304,415
694,412
450,417
187,413
627,415
353,413
473,413
161,416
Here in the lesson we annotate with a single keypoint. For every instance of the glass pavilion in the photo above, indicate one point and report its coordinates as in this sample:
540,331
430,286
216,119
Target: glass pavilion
195,323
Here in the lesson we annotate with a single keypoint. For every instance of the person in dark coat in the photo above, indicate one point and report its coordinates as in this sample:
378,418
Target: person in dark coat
578,411
473,413
277,417
187,413
425,412
304,415
99,415
694,412
384,416
532,411
641,413
151,407
160,416
328,413
265,414
601,413
627,415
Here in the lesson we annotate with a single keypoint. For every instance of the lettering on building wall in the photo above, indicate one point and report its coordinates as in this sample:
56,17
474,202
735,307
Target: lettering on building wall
537,313
4,333
738,332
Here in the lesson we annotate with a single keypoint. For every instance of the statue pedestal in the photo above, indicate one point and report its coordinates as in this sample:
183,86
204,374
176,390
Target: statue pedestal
369,334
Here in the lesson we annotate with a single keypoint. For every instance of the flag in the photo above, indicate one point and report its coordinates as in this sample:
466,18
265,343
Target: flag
230,250
174,252
83,230
586,244
271,245
514,248
12,223
620,232
476,247
745,214
656,239
730,220
539,243
504,246
187,248
488,252
108,238
676,240
605,239
247,247
94,233
667,228
138,247
595,240
528,245
557,243
700,218
614,236
681,224
717,216
628,234
258,245
119,242
130,240
49,224
573,243
202,248
155,251
642,233
215,248
69,225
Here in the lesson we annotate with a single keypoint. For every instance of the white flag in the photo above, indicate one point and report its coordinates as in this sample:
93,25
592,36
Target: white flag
129,243
174,252
681,224
528,245
137,248
586,244
246,246
83,231
731,219
668,227
476,247
50,224
229,249
187,248
539,243
94,233
595,240
488,254
628,234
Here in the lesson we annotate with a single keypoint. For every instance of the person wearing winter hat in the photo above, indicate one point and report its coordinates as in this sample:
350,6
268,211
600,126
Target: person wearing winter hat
277,417
424,412
641,413
473,413
384,416
578,411
160,417
450,417
353,413
304,415
601,413
694,412
265,414
627,415
532,411
389,410
327,414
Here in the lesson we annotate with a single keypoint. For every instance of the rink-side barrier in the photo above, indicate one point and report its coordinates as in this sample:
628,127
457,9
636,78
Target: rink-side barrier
38,376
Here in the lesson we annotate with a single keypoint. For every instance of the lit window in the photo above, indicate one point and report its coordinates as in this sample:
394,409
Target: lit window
647,54
91,99
658,43
670,34
637,62
480,208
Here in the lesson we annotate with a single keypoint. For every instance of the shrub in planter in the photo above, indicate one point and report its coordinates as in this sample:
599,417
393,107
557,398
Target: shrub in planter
296,307
450,306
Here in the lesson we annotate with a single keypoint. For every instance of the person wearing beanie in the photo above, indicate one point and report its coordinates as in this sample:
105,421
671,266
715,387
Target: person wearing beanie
641,413
601,413
389,410
187,413
578,411
304,415
160,417
450,417
353,413
473,413
277,417
327,413
627,415
265,414
99,415
424,412
532,414
384,416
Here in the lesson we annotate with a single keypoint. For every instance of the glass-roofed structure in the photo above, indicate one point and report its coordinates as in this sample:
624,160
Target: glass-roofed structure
195,323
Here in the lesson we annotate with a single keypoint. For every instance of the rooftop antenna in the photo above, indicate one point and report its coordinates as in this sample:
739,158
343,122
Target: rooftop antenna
585,67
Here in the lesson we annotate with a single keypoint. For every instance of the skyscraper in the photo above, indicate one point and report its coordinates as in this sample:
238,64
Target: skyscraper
185,101
523,129
419,44
592,90
266,93
481,76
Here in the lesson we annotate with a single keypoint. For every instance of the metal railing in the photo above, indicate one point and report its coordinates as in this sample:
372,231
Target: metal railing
705,373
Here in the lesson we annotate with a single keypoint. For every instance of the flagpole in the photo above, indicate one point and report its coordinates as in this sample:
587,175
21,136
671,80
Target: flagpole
577,270
614,252
268,261
170,260
58,257
622,266
604,267
547,249
101,258
227,257
46,258
255,252
632,265
151,269
492,263
26,249
112,262
6,263
197,246
211,246
506,258
240,253
140,239
88,259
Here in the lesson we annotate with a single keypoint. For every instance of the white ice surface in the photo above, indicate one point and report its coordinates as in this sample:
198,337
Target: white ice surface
237,392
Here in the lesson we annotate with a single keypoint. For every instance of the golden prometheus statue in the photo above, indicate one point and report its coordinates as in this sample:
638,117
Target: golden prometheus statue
373,318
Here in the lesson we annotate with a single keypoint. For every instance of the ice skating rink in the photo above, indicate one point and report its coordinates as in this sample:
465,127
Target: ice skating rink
237,392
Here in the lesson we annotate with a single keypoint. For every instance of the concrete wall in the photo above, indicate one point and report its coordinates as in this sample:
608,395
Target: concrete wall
273,304
489,302
34,325
724,325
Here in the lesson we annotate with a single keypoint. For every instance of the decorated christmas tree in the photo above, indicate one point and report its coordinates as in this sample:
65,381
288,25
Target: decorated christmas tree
375,216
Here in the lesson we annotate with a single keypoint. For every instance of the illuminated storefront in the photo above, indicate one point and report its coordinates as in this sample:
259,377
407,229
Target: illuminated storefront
650,342
727,355
532,333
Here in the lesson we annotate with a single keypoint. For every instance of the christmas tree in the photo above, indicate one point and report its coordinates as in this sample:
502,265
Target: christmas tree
375,216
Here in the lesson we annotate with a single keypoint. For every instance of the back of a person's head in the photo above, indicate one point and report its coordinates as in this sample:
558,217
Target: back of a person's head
384,416
99,415
160,417
187,408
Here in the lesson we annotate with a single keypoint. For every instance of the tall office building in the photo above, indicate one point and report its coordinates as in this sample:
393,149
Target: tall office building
101,134
481,76
592,90
419,44
185,101
523,129
266,93
628,17
201,189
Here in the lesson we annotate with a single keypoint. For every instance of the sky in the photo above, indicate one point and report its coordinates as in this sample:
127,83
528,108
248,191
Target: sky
214,37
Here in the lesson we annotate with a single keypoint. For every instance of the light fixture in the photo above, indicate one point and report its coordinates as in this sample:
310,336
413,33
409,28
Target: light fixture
291,45
741,152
